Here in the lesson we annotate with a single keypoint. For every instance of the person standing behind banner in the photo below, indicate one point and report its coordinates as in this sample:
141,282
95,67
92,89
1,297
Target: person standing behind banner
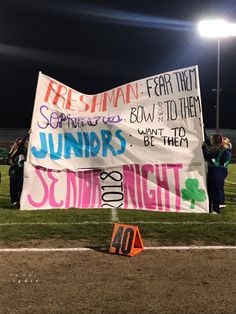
224,168
12,161
16,158
218,159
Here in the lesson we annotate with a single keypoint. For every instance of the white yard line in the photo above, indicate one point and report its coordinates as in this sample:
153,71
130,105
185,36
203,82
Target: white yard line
193,247
114,216
25,249
230,182
56,223
150,248
3,178
128,223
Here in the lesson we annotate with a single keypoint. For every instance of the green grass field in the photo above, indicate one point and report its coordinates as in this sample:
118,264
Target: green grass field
95,225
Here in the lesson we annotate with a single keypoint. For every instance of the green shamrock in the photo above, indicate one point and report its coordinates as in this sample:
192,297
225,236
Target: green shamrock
192,193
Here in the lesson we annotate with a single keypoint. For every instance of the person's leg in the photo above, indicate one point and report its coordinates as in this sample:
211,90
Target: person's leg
19,182
13,184
210,190
217,189
224,175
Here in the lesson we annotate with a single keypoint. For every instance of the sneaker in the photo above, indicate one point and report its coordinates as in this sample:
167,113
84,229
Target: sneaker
222,206
214,213
15,203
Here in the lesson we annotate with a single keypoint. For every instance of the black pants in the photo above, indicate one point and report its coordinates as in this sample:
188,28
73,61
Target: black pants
215,187
16,183
224,173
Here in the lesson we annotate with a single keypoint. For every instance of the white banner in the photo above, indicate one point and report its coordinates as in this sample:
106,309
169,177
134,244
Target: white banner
150,120
146,132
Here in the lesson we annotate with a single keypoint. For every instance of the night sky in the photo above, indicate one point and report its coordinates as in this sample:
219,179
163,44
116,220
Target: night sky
94,46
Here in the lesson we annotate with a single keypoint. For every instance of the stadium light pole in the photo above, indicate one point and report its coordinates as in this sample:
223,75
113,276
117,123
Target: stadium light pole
217,29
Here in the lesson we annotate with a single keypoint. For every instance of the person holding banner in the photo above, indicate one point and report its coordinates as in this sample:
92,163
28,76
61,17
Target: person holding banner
16,158
12,161
218,159
227,146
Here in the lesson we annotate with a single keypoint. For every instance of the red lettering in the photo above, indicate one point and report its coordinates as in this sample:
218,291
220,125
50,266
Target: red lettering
97,101
86,105
69,99
60,92
119,93
129,88
49,89
106,97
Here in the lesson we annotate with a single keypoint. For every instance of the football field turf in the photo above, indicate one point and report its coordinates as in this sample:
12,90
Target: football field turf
94,226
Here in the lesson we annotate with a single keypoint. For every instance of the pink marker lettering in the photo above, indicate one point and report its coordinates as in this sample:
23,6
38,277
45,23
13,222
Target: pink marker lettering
129,185
162,184
96,190
52,200
87,189
176,168
39,172
71,188
139,187
149,196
